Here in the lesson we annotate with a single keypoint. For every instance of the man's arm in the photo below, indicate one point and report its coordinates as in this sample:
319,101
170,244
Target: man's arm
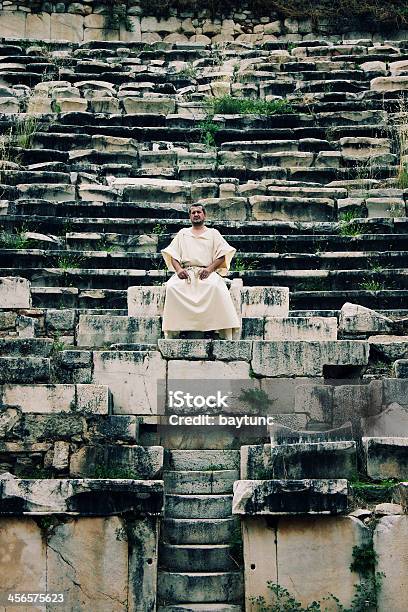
180,271
205,272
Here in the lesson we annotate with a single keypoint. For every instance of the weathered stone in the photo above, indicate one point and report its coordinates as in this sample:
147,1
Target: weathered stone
185,349
390,538
57,426
88,496
264,301
391,347
355,319
386,457
157,106
67,27
8,419
130,461
281,497
393,421
23,555
314,460
292,358
394,83
24,370
14,292
12,24
300,328
232,350
146,301
93,399
60,459
277,554
387,509
401,368
102,330
132,378
40,399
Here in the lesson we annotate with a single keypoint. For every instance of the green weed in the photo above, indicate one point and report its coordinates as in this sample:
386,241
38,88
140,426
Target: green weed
228,105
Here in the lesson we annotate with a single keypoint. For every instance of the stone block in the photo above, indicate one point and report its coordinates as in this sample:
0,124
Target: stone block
123,428
208,370
144,535
65,26
294,358
90,497
232,350
229,209
274,208
40,399
14,292
393,421
152,24
60,320
277,554
154,190
390,347
401,368
24,370
282,497
93,399
355,319
53,427
102,330
88,562
300,328
131,35
390,537
12,24
132,378
145,301
60,459
314,460
156,106
395,391
23,555
117,461
392,83
352,402
386,457
38,26
265,301
185,349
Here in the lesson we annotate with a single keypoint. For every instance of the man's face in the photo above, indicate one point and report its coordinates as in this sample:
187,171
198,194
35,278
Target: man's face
197,216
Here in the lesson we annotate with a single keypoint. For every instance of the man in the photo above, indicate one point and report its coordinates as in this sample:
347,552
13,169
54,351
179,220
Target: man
197,299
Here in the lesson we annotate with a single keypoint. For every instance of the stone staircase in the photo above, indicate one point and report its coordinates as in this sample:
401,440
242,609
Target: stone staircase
104,145
200,563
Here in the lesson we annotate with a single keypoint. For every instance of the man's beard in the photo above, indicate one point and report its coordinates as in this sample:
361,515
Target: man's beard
198,222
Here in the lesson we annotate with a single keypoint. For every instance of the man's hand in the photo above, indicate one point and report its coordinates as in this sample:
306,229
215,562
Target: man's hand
204,273
183,274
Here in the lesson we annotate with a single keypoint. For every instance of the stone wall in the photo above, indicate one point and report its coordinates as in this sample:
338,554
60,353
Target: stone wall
86,20
311,558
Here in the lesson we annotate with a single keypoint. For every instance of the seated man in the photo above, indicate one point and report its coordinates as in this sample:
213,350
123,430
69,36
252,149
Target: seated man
197,299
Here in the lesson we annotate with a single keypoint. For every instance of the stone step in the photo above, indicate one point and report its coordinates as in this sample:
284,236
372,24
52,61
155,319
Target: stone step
371,229
22,347
199,482
199,531
177,587
199,460
197,557
39,398
24,369
259,261
198,506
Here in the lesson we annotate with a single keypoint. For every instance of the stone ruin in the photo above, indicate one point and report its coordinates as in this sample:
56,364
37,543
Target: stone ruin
107,135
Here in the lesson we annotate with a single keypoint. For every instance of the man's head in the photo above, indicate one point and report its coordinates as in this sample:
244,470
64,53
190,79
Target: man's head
197,215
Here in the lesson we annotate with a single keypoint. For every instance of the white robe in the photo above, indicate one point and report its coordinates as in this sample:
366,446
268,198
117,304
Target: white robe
195,304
